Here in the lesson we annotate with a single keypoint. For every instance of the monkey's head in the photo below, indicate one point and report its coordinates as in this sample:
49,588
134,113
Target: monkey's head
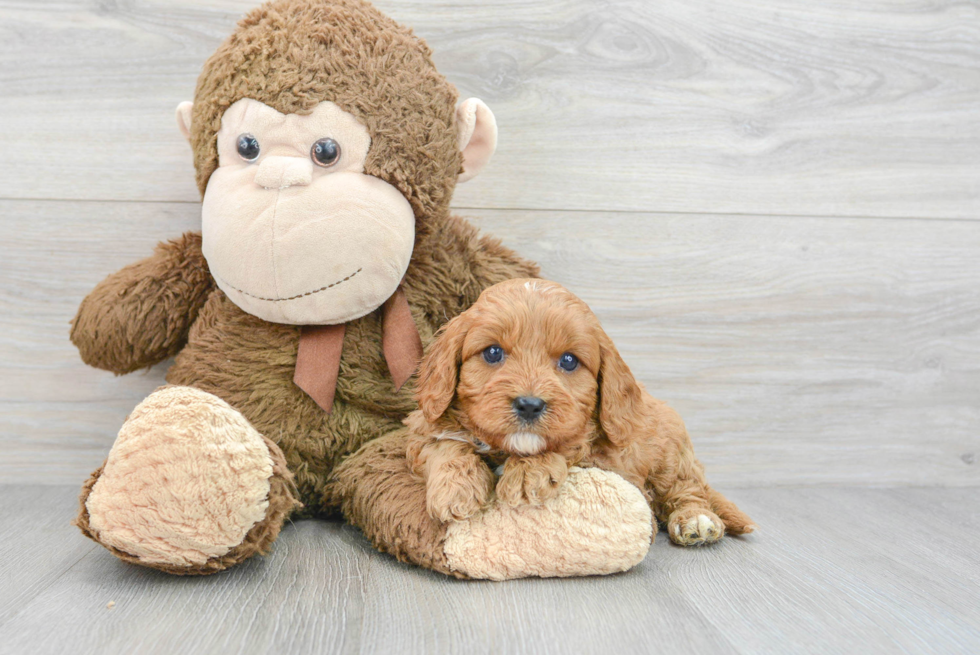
325,144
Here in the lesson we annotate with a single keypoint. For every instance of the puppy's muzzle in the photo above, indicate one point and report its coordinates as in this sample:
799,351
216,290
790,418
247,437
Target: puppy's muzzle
529,408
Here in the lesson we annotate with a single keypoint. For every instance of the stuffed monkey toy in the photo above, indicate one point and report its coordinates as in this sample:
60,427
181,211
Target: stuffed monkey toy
327,148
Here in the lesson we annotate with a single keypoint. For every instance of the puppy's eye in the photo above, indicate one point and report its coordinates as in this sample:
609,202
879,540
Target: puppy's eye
568,362
493,354
248,147
325,152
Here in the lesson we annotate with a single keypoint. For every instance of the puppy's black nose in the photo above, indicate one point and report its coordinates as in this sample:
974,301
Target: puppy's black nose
529,408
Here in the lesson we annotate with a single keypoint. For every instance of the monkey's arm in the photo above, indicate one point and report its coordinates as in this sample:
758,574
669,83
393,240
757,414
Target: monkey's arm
141,314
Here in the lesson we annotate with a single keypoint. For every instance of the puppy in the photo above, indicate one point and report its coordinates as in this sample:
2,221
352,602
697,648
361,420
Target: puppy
527,383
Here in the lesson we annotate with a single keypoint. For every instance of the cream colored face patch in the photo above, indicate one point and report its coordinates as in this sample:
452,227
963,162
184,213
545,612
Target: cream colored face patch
294,230
524,443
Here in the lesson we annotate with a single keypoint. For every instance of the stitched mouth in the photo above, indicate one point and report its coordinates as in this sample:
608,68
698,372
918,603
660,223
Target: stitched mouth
297,296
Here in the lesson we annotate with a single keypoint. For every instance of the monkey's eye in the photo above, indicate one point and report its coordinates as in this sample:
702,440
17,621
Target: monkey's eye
568,362
248,147
325,152
493,354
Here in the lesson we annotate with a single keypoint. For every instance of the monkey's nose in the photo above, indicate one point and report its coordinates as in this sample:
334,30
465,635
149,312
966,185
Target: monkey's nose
283,172
529,408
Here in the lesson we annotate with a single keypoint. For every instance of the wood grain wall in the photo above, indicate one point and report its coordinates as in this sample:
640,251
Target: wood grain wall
772,205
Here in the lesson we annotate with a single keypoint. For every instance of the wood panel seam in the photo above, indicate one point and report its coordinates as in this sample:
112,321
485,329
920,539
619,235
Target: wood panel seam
563,210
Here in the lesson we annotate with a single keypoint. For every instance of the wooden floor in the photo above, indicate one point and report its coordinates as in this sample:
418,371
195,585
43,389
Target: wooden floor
843,570
774,208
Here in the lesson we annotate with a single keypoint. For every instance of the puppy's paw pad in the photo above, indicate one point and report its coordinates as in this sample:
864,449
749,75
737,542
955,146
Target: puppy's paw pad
708,528
695,528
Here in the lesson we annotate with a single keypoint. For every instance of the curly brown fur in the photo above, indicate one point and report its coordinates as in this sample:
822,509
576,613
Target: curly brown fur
533,479
596,414
141,315
291,55
379,493
460,484
250,363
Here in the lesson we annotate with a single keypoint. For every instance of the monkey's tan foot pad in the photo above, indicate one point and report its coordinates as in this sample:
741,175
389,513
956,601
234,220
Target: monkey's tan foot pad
597,524
189,487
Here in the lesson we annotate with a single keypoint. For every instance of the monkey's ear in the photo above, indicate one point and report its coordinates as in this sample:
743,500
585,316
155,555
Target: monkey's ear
184,111
477,136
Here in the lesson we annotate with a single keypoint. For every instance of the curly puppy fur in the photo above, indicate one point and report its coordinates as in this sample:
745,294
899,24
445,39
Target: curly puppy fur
595,415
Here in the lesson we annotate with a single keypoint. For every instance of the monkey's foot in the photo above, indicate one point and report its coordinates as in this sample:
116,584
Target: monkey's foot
694,526
597,523
189,487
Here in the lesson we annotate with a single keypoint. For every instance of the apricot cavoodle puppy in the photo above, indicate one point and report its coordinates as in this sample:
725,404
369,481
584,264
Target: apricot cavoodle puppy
526,383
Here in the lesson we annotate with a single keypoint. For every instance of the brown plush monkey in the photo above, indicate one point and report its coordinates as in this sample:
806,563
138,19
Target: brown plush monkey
327,147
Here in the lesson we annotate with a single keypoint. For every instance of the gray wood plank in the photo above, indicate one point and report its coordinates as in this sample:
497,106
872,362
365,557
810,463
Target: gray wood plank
38,543
841,571
306,596
772,107
798,350
325,590
624,613
831,570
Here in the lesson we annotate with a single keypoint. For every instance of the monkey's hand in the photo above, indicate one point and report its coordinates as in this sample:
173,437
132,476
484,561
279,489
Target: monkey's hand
141,314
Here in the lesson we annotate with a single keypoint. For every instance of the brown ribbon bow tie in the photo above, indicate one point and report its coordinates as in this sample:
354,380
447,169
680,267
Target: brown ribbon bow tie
320,347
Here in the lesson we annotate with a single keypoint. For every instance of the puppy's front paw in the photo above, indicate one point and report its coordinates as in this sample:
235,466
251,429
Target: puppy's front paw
532,480
694,526
458,490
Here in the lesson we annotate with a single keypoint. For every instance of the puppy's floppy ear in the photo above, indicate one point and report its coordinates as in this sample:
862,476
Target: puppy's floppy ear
621,408
439,371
